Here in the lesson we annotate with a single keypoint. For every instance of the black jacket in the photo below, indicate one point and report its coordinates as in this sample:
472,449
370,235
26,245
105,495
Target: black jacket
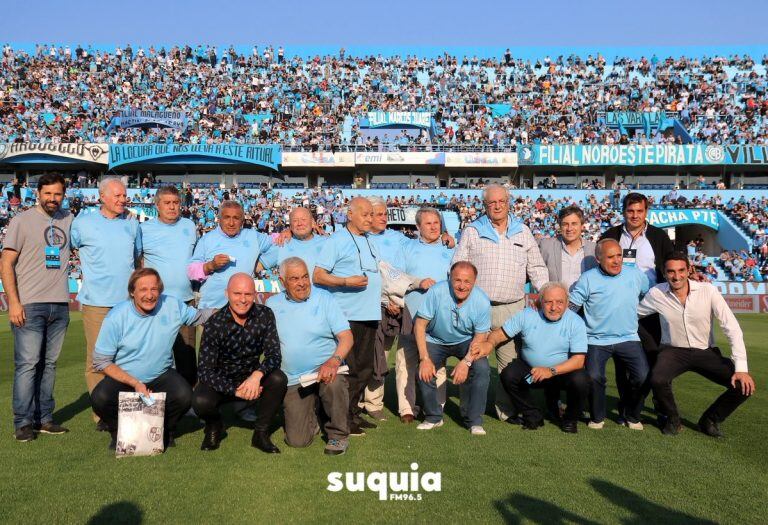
660,243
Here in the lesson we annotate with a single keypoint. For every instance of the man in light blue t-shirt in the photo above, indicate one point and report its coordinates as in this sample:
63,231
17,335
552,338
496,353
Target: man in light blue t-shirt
302,243
109,243
454,315
167,244
552,357
609,295
318,343
223,252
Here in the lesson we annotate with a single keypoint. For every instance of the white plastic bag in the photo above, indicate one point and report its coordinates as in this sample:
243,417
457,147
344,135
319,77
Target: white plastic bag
140,426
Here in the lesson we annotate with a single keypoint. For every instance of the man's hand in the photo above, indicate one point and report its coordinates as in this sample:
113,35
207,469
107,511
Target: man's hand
219,261
427,370
251,388
16,314
540,373
283,237
356,281
425,284
448,240
699,277
479,350
141,388
747,383
460,373
392,308
327,372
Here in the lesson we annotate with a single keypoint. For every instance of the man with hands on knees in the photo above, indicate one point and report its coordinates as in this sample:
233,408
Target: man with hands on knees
454,315
231,366
553,355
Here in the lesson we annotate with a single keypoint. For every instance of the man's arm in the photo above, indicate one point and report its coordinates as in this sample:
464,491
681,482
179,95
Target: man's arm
574,362
16,314
426,366
648,305
327,371
535,268
731,329
209,372
463,250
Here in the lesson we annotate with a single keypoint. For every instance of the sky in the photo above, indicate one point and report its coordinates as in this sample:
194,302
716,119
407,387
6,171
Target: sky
397,26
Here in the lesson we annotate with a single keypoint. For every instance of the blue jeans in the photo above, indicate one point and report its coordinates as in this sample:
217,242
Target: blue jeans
36,348
472,394
631,354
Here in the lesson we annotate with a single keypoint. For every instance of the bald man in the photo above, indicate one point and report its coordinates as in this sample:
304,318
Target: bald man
348,268
302,242
240,361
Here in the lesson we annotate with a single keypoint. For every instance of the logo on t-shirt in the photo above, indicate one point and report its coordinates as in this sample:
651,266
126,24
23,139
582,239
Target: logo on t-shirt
55,236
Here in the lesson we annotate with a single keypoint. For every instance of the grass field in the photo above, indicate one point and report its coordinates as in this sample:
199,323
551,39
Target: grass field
611,476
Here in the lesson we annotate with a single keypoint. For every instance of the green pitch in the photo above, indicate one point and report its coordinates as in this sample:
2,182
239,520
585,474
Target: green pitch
611,476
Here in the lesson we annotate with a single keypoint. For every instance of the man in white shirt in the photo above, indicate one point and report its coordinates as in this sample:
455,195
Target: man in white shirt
686,309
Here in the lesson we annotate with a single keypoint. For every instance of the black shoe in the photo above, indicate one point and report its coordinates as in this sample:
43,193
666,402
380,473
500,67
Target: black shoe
533,425
214,433
671,427
169,439
101,426
24,434
569,427
515,420
261,441
113,440
364,423
355,430
50,428
709,426
662,421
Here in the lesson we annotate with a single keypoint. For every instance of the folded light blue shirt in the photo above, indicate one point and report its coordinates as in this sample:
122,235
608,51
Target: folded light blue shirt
307,250
246,247
345,255
390,244
450,324
307,344
547,343
168,248
424,260
142,345
108,251
610,304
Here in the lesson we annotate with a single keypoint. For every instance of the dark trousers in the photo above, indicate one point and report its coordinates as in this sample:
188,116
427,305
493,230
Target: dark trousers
178,398
184,354
576,385
360,361
674,361
206,401
649,332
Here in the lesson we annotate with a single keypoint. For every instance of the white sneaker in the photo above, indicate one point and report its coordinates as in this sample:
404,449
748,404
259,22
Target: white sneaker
634,426
477,430
594,425
426,425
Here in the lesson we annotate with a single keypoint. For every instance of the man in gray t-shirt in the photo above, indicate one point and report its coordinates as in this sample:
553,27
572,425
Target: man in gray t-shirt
33,269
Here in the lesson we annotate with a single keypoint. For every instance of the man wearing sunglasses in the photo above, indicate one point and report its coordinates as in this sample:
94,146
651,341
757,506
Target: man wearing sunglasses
347,266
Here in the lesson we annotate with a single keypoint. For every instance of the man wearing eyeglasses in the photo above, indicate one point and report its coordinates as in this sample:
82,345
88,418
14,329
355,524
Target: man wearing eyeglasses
505,253
454,315
347,266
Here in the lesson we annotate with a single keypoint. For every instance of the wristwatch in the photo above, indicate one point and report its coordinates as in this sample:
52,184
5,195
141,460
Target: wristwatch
467,362
337,358
553,371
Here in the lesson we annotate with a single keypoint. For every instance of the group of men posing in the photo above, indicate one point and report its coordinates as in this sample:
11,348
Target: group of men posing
319,348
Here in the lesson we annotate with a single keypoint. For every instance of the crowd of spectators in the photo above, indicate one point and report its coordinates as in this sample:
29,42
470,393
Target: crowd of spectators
60,94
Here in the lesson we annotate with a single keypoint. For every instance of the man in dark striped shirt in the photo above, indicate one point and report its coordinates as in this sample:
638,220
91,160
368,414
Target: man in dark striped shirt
240,360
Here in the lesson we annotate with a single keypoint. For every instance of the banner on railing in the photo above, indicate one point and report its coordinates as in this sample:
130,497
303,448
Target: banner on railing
380,119
136,117
30,152
746,154
318,159
405,158
620,155
480,160
670,218
267,155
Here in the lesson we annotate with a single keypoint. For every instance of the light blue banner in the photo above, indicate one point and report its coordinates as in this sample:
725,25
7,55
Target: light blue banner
267,155
134,117
380,119
746,154
663,218
620,155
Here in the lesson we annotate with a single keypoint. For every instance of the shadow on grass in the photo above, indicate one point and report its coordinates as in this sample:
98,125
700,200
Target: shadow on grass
68,412
123,512
518,507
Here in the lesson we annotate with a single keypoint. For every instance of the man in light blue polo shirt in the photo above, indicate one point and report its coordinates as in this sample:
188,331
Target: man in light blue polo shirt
223,252
453,315
109,244
168,243
348,268
552,357
609,295
319,343
303,242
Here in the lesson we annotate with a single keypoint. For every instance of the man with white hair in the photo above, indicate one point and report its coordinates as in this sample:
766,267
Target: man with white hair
109,244
223,252
552,356
302,243
505,254
318,344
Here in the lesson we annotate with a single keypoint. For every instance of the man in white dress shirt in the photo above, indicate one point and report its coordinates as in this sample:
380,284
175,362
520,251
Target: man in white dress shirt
686,309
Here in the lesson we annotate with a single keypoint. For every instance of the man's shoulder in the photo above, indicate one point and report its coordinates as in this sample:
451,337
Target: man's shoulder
120,309
614,232
548,243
